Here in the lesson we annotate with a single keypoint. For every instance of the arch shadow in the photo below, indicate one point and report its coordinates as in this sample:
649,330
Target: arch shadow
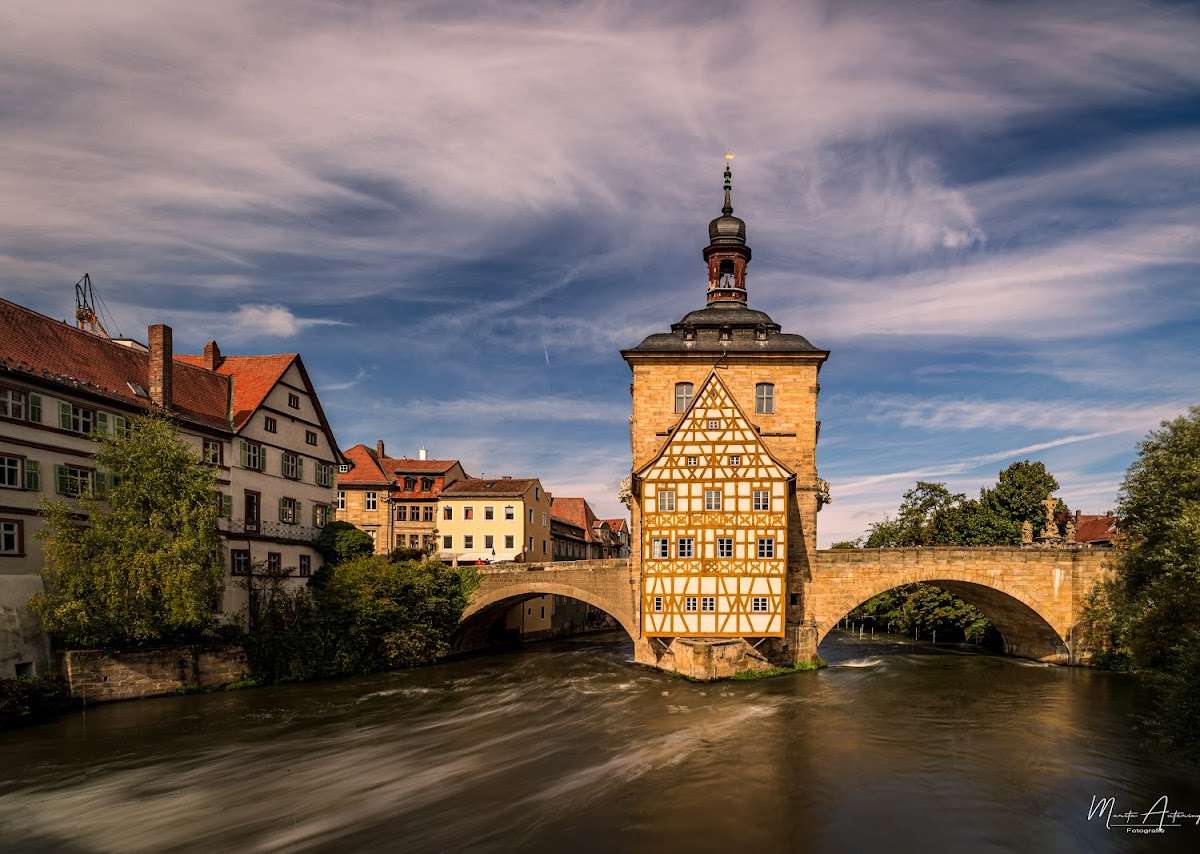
485,609
1024,632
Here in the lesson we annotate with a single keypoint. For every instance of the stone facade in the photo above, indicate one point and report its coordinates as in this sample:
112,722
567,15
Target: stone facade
99,676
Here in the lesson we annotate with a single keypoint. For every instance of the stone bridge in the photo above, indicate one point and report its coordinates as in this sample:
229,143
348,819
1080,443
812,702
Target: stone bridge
1033,596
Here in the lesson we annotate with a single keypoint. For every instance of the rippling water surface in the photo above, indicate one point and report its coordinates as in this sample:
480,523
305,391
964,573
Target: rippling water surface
568,746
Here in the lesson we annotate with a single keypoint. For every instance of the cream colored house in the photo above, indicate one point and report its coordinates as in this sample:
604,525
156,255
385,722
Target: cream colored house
494,520
255,419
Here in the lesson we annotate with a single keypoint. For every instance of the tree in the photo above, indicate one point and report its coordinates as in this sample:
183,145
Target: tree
340,542
847,544
136,559
1019,496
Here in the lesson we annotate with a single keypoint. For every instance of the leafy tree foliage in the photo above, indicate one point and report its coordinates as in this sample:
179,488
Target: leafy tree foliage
137,560
924,609
847,544
1148,617
363,615
339,542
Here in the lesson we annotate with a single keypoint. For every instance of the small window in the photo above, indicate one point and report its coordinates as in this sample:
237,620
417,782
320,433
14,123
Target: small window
447,542
344,467
12,403
410,483
468,541
341,499
712,499
288,511
274,562
239,561
290,466
686,547
764,399
489,541
73,480
713,424
33,476
310,437
766,547
690,603
212,452
324,474
683,397
426,513
759,604
489,513
252,455
305,566
537,494
509,513
662,548
708,604
468,513
294,401
270,425
508,541
11,538
693,462
447,512
320,515
371,501
735,459
531,521
724,546
10,472
762,499
401,512
426,484
666,501
658,604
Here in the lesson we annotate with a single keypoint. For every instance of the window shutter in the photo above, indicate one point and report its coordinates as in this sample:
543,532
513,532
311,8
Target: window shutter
101,483
101,422
297,516
299,468
33,476
245,451
60,480
64,415
281,514
35,408
227,506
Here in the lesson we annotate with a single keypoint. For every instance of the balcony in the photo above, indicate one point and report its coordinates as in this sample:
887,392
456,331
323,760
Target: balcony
275,530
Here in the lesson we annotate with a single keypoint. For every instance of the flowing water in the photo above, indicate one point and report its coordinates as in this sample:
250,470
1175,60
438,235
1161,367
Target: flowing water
569,747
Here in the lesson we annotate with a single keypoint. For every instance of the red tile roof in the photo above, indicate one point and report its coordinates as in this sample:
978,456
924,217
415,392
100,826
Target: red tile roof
253,378
574,511
363,468
1094,529
404,465
617,525
482,487
48,349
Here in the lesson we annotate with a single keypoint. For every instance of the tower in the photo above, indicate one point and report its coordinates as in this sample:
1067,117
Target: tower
724,486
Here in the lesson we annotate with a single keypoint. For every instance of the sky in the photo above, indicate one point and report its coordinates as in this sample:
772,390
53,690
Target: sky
459,213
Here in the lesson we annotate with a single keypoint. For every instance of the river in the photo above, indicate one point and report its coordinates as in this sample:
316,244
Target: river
567,746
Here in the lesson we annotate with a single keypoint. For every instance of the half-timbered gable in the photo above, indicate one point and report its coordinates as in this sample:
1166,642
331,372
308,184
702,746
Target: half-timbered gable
714,525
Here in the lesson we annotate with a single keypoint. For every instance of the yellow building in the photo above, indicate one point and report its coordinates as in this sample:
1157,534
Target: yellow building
724,488
494,519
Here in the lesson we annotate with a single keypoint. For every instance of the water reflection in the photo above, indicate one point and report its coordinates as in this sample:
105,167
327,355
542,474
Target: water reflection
893,747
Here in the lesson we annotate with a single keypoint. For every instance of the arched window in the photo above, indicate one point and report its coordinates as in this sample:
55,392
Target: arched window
764,398
683,396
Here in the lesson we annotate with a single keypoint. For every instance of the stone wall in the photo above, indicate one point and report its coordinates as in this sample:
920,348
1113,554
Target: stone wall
99,676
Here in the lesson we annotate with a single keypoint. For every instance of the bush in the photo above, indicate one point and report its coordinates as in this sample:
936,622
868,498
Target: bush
339,542
29,699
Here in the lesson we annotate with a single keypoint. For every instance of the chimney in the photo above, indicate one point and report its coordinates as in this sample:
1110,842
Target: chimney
379,449
422,454
212,356
161,357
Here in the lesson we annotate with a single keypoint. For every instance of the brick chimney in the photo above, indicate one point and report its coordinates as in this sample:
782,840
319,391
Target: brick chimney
379,449
212,356
161,357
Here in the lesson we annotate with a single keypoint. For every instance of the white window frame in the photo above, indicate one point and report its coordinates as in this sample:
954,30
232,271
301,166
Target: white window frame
341,499
658,604
370,501
14,465
660,548
510,513
691,604
712,499
724,547
684,392
735,459
693,462
12,528
760,605
762,499
687,544
666,501
764,398
708,604
713,424
766,547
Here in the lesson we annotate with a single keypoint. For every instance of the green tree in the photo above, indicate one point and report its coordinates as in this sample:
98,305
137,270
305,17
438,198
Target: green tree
1018,497
340,542
136,559
847,544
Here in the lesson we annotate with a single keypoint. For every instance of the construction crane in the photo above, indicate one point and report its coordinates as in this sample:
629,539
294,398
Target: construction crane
86,317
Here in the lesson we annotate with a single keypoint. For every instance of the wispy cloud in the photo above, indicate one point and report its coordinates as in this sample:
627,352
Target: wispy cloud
941,413
275,321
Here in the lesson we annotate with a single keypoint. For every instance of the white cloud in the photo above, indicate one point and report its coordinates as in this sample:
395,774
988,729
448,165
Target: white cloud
942,413
275,321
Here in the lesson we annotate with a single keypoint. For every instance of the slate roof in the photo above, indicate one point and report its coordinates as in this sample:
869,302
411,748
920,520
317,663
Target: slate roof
750,331
481,487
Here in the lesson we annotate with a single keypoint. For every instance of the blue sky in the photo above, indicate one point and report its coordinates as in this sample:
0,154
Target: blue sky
459,213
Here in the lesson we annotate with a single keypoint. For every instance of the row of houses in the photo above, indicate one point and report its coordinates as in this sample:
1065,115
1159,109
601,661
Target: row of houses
435,506
258,421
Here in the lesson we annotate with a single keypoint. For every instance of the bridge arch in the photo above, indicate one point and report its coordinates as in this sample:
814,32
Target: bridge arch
511,594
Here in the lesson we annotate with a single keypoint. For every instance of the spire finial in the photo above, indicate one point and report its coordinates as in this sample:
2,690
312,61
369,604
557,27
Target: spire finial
728,209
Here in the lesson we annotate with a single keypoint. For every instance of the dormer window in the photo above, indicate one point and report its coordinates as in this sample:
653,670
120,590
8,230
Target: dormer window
689,333
410,483
426,484
726,333
760,332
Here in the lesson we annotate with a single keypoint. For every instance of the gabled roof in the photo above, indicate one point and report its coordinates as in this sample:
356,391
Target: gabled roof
713,377
574,511
404,465
481,487
43,348
1095,529
363,468
253,378
618,525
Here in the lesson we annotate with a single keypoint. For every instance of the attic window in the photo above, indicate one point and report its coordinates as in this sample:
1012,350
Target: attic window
137,389
760,332
689,333
726,333
489,484
343,468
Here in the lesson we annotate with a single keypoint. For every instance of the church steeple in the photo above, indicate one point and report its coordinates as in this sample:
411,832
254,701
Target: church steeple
727,253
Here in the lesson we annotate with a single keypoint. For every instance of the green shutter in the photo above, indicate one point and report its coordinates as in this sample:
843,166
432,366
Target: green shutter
60,480
227,506
245,450
35,408
102,422
64,415
297,514
299,467
101,483
120,425
281,514
33,476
